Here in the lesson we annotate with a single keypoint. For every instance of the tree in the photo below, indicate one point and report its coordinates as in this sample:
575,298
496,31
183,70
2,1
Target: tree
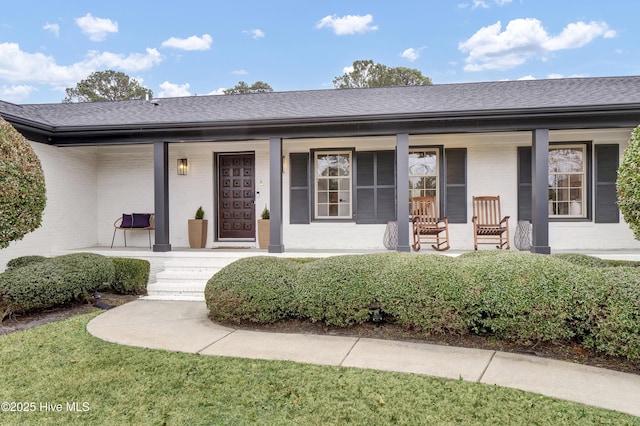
107,85
242,88
22,188
366,73
628,183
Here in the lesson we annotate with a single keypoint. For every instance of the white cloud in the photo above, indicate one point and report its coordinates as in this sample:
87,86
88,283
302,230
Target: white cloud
133,62
16,93
490,48
527,77
96,28
190,43
411,54
256,33
483,4
54,28
36,68
219,91
171,90
239,72
349,24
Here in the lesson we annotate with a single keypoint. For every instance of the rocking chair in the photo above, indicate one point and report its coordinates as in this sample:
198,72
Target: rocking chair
488,225
427,227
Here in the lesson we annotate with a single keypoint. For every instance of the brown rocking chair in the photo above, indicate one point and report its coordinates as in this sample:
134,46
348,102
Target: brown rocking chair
488,225
427,227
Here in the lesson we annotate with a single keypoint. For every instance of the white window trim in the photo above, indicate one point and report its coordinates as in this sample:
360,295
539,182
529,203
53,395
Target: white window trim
437,172
583,188
316,186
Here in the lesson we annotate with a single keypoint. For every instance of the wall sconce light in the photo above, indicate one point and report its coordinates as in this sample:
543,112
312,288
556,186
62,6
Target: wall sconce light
183,166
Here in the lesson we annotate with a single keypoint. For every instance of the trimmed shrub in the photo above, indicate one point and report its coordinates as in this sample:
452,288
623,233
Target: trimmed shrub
610,321
53,282
523,297
582,260
255,289
19,262
22,187
340,290
131,275
426,292
628,183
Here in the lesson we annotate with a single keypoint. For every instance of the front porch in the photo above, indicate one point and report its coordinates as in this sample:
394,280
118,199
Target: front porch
181,274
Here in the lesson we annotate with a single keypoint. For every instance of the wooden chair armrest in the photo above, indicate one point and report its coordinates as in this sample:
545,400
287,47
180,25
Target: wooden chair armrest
505,219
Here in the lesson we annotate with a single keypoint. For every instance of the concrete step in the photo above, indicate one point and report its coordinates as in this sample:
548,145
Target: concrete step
185,278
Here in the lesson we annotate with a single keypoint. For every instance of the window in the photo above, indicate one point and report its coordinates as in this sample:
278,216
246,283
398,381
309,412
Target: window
423,173
567,179
333,185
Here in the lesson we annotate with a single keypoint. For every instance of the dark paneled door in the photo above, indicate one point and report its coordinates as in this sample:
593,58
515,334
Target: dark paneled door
236,186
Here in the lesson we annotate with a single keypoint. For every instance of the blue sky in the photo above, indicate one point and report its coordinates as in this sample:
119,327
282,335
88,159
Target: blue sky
195,47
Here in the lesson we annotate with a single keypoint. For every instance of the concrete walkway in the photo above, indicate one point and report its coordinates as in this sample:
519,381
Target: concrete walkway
184,327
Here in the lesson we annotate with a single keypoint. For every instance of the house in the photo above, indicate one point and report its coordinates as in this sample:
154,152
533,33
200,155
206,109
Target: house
335,166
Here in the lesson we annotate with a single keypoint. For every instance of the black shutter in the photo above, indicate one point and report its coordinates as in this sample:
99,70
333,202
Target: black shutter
299,202
456,185
607,157
524,183
375,187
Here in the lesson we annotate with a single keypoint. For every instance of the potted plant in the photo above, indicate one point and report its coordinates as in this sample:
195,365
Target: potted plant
263,229
198,230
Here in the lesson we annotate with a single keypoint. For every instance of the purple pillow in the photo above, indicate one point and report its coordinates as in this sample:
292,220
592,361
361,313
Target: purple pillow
127,221
141,220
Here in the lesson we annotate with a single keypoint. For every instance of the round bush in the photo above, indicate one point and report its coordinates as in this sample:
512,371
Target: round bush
628,183
426,292
340,290
19,262
22,186
131,275
255,289
523,297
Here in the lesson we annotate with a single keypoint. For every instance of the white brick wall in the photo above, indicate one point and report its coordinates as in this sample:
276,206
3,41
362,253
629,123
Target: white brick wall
125,185
69,219
88,188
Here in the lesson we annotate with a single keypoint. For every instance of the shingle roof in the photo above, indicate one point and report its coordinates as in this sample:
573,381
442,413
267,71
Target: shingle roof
439,99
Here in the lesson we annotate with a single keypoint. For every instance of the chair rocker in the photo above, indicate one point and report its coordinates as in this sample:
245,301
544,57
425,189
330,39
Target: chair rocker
489,227
427,227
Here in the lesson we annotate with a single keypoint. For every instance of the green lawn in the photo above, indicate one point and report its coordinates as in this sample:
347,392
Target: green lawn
61,363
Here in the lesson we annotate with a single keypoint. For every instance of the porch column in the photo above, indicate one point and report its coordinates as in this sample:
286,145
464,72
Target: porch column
161,195
275,196
402,190
540,192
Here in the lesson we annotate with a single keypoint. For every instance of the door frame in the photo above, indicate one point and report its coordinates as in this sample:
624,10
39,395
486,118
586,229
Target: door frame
216,195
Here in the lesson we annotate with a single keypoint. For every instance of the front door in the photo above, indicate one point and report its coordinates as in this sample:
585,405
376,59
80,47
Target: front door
236,186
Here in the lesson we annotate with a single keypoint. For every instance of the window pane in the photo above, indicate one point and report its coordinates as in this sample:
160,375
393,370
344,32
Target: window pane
423,173
566,181
333,184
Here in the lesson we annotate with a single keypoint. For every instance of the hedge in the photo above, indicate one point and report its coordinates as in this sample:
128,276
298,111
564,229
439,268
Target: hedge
521,297
53,282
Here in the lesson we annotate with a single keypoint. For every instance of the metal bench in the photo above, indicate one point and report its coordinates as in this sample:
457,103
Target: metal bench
134,222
